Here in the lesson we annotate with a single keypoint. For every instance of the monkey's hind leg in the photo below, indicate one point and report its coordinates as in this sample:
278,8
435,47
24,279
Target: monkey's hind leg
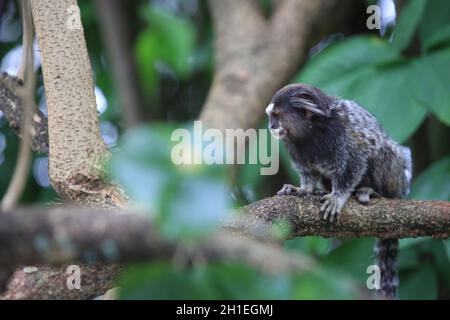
364,194
290,190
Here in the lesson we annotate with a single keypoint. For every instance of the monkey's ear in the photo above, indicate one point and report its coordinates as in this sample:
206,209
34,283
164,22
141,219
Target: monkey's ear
308,105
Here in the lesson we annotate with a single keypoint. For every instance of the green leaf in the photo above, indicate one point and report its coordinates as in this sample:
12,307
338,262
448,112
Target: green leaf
192,206
383,92
441,37
184,200
169,39
352,258
213,281
434,183
420,283
327,284
176,37
280,230
345,61
432,83
407,23
143,170
317,246
441,261
408,242
162,281
432,254
408,257
147,54
446,244
371,72
435,24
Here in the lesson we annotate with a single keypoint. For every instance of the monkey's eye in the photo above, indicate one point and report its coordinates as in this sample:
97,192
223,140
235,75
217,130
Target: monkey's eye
275,114
304,96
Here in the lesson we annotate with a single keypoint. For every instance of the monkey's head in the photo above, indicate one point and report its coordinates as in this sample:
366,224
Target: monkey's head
297,110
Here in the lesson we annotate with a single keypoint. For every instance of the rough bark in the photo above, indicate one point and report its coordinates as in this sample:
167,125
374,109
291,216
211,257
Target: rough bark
381,218
52,283
254,57
64,235
12,93
76,147
88,235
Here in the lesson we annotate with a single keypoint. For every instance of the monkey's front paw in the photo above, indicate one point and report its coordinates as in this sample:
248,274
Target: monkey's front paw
290,190
332,205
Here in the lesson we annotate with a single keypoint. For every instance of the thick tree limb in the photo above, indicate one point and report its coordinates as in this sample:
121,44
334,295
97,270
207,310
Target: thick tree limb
48,282
76,147
382,218
62,235
73,235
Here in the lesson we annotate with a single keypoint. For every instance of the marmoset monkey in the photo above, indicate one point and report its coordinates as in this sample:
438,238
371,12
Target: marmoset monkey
338,149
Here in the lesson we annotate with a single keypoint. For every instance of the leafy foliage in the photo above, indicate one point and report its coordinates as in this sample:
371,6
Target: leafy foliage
434,182
370,71
168,39
375,73
407,23
185,200
212,281
434,29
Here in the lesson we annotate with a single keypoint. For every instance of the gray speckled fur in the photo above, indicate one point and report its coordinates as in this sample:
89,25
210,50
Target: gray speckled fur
339,147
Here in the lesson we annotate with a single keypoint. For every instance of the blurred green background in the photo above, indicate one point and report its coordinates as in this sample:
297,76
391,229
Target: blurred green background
402,77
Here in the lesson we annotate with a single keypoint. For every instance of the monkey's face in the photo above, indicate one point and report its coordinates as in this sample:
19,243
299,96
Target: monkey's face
276,120
296,111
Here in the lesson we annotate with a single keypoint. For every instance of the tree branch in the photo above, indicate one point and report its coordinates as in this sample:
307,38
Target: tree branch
74,235
382,218
27,74
12,93
88,235
48,282
76,147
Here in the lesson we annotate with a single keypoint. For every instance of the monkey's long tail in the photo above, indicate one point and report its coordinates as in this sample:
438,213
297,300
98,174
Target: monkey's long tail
386,257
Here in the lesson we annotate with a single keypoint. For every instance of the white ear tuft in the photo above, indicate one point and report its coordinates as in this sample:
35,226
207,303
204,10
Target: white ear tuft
269,109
